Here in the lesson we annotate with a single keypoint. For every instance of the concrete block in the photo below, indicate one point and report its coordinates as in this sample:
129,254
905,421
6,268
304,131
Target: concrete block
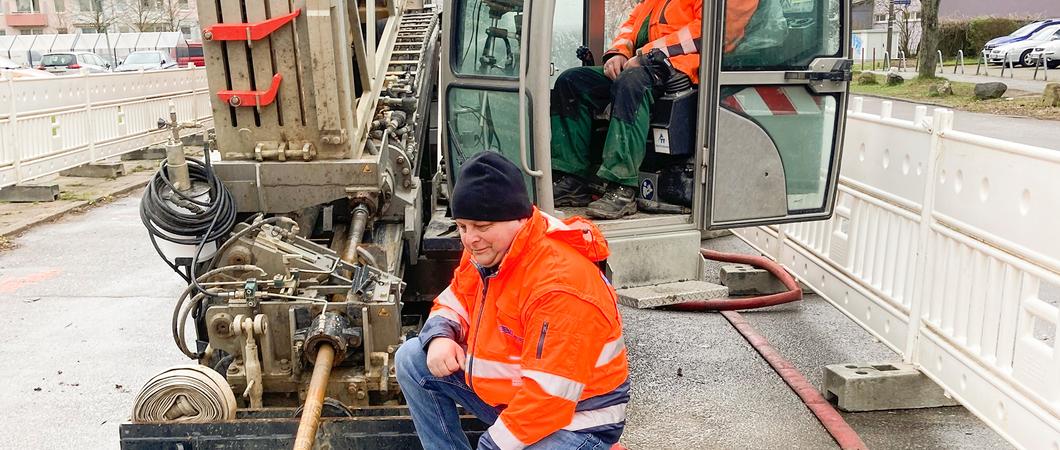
193,140
742,279
25,193
670,294
97,170
153,152
713,234
883,386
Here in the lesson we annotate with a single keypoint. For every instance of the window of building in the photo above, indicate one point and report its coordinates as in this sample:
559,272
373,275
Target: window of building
88,29
60,5
27,6
880,17
91,5
186,31
61,30
29,31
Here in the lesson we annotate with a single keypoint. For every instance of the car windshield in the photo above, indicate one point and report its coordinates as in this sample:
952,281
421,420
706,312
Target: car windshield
143,58
1026,29
58,59
1045,33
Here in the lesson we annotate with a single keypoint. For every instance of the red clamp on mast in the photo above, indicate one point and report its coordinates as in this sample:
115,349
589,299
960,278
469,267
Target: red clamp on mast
256,99
247,31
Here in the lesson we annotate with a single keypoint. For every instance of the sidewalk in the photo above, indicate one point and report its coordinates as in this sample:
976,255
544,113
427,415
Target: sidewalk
76,194
1021,80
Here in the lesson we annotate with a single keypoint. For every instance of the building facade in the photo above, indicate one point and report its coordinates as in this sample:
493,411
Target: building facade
94,16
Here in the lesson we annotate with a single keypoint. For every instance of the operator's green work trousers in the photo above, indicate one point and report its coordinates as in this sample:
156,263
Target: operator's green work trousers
582,92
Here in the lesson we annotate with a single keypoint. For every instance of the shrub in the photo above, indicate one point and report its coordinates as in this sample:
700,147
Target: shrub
971,34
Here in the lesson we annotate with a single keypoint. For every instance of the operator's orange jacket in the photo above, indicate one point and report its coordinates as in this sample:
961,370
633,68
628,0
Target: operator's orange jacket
543,335
675,28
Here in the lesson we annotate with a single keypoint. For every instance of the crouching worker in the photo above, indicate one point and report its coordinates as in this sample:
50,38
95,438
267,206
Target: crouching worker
527,336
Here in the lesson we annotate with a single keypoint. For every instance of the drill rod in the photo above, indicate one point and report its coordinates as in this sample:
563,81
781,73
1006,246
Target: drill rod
314,401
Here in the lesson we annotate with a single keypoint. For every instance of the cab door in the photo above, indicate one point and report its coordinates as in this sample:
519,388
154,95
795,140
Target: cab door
479,81
772,108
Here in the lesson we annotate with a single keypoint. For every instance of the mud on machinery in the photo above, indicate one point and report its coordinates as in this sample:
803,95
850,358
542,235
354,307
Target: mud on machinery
315,237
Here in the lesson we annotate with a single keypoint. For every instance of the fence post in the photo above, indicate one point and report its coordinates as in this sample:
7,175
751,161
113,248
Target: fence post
874,58
91,131
940,61
942,121
12,121
960,62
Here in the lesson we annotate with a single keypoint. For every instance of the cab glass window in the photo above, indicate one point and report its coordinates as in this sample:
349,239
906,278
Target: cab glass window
785,35
487,37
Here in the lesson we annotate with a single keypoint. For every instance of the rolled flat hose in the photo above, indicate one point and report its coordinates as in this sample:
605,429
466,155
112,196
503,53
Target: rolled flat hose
830,419
187,393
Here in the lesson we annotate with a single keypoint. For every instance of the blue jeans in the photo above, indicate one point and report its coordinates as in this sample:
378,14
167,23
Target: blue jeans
432,401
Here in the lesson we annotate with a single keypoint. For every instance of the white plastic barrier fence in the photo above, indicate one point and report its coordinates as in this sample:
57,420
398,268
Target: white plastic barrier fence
945,246
52,124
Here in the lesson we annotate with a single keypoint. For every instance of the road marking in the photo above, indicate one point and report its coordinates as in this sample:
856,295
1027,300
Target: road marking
13,284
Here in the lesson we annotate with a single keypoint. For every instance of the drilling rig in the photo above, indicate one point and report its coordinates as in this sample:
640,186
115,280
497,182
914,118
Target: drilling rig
313,234
296,229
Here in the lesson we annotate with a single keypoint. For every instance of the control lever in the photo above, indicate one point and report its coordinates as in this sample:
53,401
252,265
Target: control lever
585,56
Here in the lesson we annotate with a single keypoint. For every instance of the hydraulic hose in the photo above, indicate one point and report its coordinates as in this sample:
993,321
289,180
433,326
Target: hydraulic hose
793,293
833,423
181,218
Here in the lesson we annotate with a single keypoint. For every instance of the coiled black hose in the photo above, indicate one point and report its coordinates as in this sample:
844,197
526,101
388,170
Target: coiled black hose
176,217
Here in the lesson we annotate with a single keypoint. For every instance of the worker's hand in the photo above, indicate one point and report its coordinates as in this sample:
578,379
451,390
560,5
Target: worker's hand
444,356
614,65
631,63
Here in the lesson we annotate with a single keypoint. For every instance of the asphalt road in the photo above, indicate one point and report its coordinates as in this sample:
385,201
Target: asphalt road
85,306
1041,133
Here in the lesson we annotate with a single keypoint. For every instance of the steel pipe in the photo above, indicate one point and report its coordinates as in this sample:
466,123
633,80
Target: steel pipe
314,400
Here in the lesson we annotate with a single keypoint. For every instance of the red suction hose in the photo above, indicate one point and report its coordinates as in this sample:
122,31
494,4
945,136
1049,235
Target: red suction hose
843,434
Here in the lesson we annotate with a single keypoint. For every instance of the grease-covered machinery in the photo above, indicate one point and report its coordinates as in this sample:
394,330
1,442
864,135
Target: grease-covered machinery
297,234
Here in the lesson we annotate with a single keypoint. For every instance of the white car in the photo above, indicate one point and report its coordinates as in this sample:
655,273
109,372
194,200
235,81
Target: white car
61,63
1020,52
1050,49
146,60
11,69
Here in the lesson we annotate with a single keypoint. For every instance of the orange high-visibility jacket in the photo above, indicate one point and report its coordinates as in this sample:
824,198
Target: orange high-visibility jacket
675,28
542,333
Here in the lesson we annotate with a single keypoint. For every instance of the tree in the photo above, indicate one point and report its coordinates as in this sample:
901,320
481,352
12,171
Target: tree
144,15
97,14
174,12
929,37
906,32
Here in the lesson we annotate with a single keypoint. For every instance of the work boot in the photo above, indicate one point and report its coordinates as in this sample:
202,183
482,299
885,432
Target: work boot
569,190
619,201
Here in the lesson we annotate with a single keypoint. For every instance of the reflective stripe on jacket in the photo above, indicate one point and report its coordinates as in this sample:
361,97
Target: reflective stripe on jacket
543,334
675,28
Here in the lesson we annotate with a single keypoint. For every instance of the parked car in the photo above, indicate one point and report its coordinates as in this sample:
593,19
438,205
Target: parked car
146,60
191,54
1022,33
72,62
1050,49
11,69
1019,51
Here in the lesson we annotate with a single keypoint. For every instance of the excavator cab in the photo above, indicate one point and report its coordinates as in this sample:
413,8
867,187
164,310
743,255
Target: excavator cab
756,142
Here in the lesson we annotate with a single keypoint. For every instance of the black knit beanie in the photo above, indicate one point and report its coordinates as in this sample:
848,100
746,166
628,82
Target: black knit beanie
490,188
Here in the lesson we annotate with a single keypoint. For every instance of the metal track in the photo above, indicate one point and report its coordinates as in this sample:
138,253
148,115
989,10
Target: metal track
413,37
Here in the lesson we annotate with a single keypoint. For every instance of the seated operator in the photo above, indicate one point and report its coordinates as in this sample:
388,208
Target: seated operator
660,40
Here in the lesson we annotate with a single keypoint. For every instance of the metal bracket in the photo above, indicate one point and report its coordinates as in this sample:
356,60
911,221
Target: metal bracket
247,31
256,99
